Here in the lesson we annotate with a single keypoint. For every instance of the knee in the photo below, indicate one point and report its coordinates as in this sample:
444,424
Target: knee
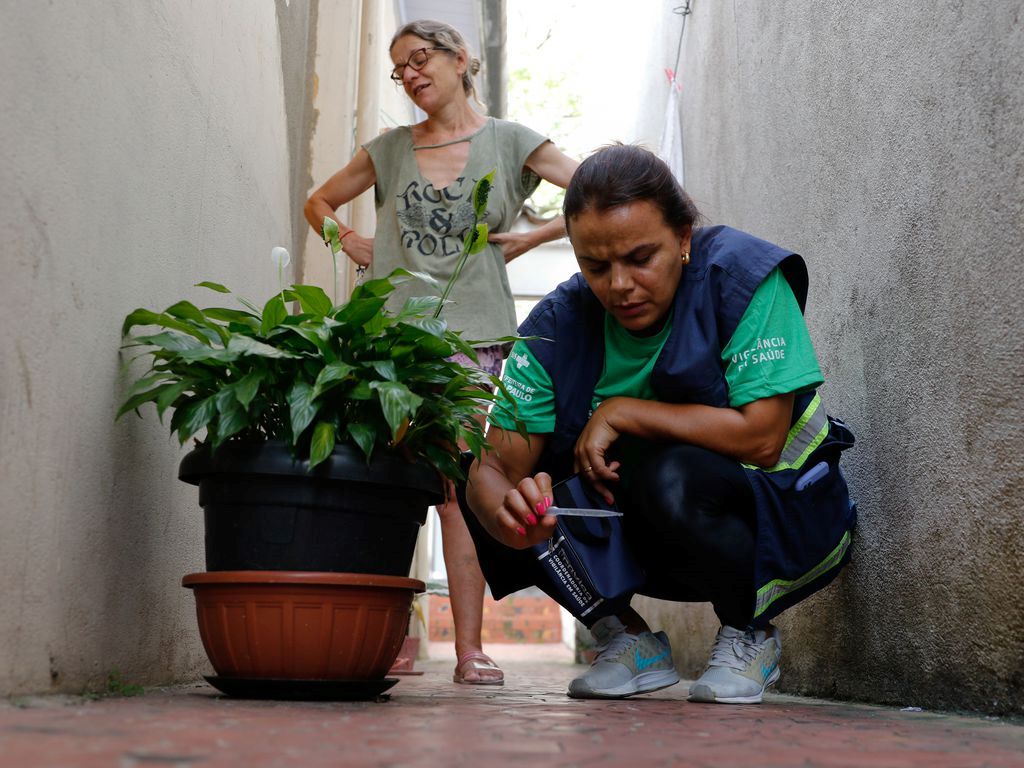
668,490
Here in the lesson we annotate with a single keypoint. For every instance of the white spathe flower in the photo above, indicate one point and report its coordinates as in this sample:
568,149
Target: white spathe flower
280,257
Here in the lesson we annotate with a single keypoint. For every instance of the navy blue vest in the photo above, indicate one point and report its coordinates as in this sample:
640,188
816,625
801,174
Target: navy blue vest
726,267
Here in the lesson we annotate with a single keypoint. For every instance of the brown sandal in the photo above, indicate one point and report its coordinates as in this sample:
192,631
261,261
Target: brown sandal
476,663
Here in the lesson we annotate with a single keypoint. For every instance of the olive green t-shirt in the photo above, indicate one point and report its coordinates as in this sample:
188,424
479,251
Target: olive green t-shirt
421,228
770,353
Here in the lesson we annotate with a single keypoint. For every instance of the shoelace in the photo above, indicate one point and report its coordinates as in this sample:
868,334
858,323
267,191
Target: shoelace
616,644
734,649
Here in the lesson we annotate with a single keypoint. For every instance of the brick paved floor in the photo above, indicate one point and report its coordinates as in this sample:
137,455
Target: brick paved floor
430,722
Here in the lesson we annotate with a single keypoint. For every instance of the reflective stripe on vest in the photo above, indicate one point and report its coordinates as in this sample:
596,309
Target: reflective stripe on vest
804,436
773,590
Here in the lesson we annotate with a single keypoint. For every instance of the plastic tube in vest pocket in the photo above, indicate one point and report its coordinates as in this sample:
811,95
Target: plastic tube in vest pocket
812,475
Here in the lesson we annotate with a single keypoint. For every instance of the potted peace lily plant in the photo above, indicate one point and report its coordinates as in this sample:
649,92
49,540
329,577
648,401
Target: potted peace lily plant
322,437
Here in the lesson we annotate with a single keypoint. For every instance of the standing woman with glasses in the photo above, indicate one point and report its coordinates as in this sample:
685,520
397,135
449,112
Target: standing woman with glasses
423,177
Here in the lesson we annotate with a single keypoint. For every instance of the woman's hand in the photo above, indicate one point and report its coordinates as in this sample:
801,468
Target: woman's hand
513,244
358,248
593,444
503,489
520,521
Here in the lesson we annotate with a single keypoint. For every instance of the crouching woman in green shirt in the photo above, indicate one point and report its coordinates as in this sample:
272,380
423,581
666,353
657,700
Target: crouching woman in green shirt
676,374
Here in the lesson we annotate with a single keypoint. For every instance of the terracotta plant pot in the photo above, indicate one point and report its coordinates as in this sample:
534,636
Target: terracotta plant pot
302,626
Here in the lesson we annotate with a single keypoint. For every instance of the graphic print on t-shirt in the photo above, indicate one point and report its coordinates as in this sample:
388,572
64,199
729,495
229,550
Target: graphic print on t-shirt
434,222
763,351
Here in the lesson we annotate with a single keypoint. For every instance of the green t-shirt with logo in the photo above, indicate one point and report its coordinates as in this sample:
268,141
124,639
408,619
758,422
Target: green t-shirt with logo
770,353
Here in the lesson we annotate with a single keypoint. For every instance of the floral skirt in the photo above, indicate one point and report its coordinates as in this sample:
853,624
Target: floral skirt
490,359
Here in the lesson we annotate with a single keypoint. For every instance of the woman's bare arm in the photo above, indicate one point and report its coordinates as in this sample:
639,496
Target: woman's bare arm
344,186
553,165
754,433
507,498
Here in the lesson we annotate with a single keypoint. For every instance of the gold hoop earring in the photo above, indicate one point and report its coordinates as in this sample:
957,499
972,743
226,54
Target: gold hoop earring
686,258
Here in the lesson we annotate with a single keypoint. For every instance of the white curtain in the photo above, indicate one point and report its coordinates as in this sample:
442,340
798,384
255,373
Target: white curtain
670,148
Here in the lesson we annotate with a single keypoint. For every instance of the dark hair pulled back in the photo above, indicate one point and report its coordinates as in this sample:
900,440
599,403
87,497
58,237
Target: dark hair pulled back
620,174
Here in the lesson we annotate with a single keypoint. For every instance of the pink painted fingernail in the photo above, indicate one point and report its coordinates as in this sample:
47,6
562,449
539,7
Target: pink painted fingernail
547,503
521,531
540,507
531,519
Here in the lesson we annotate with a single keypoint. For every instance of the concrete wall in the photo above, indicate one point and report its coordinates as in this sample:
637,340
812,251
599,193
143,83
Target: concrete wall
143,147
885,142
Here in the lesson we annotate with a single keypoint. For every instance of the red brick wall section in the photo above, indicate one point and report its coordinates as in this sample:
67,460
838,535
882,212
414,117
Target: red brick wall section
515,619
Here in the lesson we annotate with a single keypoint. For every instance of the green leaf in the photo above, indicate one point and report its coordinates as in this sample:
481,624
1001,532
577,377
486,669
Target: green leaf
397,402
444,461
457,341
322,443
424,277
213,286
499,340
301,407
169,395
172,341
435,326
364,436
274,311
135,401
148,381
374,327
474,440
232,417
418,305
247,387
382,286
481,191
194,417
312,299
479,239
433,348
244,345
186,310
385,368
330,375
358,311
231,315
147,317
206,354
249,305
361,391
139,316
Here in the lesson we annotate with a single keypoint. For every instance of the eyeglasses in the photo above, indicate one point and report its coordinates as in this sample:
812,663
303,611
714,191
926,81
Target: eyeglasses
417,60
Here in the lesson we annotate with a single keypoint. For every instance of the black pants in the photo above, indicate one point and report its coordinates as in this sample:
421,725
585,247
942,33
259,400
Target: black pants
689,518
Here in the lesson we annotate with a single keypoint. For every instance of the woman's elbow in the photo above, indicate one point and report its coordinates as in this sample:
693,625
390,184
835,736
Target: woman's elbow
766,451
309,211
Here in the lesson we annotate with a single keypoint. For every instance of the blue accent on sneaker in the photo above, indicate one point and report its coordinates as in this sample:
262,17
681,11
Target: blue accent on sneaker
643,663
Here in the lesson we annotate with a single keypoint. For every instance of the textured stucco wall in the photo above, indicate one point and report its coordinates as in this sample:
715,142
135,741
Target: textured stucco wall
143,147
885,142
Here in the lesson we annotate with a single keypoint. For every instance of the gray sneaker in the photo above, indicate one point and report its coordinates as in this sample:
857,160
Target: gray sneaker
626,664
742,665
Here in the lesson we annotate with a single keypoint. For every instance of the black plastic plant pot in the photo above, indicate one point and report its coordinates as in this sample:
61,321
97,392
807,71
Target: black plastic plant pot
265,511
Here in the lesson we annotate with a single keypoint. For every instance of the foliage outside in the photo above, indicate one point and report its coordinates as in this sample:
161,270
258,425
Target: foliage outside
545,101
353,373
